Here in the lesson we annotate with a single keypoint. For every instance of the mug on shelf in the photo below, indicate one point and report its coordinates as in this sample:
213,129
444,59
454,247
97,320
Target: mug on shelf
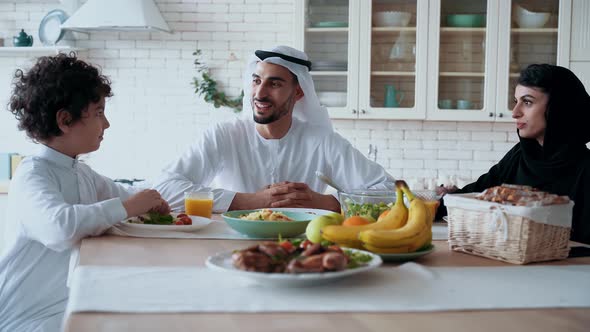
391,96
445,104
463,104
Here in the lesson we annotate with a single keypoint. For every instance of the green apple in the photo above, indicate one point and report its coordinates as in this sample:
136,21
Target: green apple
314,228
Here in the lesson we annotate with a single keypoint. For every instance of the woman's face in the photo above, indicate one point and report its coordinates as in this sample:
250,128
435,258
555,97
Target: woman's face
529,112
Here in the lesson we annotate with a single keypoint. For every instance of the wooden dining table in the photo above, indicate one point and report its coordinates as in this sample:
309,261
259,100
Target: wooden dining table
159,252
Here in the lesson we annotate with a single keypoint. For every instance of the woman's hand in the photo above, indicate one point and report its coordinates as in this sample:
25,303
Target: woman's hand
446,190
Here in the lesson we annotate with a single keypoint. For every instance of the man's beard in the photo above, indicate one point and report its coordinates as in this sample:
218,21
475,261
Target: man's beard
278,113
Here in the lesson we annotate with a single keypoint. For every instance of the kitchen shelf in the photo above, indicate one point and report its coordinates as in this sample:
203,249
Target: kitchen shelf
38,49
326,30
393,73
328,73
463,30
393,29
541,30
461,74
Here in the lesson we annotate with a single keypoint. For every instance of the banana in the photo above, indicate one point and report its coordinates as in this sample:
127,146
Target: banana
411,244
417,230
348,235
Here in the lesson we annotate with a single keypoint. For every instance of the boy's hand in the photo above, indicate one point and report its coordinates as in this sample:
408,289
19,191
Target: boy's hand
145,201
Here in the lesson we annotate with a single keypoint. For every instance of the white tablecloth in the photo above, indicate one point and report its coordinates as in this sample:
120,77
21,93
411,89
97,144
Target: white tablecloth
409,287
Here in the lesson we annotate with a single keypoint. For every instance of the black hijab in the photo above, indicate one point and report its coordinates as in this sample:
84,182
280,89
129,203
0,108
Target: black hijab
567,132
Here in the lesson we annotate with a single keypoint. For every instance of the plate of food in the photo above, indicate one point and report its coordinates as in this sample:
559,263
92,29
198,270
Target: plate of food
294,262
268,223
179,222
407,256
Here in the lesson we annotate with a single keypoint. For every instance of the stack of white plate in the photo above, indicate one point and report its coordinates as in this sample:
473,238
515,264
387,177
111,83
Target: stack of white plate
329,65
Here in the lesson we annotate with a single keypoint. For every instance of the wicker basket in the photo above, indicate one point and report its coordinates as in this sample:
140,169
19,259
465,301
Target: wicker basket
523,241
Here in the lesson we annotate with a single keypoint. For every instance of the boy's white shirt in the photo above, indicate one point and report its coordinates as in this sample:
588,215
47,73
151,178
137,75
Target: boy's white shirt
54,201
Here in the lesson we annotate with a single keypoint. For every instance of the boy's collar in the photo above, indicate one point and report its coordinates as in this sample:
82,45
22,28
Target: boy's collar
55,156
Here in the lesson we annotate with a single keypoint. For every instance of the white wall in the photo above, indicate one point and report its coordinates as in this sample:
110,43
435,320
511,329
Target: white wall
155,115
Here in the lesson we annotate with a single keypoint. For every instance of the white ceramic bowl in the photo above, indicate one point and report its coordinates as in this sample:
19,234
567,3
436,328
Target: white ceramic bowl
332,98
391,19
530,20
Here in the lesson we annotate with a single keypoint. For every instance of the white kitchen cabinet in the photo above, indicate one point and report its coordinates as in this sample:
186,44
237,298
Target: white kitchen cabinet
519,47
507,45
580,46
443,70
358,60
582,70
462,63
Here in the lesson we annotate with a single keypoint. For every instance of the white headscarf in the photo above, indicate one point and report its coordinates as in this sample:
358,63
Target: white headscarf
308,108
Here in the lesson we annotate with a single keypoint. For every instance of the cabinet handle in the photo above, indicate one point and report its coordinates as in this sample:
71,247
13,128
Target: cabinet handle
363,111
491,115
353,111
501,115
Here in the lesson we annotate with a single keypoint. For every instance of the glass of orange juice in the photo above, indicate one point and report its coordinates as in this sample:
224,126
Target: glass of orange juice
198,203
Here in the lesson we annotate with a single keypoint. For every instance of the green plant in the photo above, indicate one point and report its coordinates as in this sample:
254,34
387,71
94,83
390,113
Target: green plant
207,87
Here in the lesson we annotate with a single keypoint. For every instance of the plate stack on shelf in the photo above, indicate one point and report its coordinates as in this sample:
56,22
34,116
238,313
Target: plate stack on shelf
330,24
329,65
50,31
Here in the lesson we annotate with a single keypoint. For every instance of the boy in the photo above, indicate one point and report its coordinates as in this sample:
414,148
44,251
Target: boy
55,200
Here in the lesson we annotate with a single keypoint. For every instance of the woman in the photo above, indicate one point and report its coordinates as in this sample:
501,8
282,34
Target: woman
552,113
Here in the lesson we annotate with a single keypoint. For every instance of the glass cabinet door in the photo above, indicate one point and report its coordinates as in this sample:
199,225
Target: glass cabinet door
327,42
532,37
391,49
462,77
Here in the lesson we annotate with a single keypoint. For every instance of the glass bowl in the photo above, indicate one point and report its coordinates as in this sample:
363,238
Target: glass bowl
366,203
466,20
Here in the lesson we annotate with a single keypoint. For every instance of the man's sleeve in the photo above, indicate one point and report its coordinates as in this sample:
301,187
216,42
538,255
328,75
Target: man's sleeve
194,171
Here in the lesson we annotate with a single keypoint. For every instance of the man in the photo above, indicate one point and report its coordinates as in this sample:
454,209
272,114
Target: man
268,158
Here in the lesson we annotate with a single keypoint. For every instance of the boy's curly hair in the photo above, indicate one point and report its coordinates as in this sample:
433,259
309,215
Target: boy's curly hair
54,83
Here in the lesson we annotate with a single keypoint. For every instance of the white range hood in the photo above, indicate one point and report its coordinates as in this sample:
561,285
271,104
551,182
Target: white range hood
117,15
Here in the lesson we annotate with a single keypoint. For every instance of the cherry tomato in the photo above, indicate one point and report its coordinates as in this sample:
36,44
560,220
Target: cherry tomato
288,246
186,220
180,215
178,222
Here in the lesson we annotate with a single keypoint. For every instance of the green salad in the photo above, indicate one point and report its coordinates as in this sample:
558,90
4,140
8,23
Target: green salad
373,210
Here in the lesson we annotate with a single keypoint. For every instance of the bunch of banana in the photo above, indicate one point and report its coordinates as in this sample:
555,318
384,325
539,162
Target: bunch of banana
416,233
348,236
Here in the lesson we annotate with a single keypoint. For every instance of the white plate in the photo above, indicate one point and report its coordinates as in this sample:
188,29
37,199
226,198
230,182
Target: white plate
445,219
50,31
198,223
223,262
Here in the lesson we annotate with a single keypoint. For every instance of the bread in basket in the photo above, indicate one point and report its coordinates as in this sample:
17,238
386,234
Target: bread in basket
515,224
